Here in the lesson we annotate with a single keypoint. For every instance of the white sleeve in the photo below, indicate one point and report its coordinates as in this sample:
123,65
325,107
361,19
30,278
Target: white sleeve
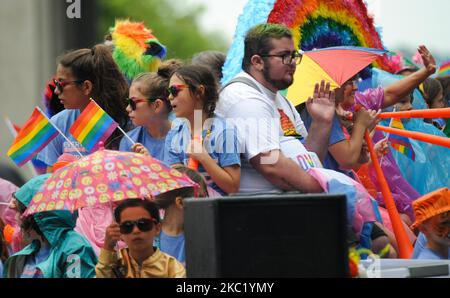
257,123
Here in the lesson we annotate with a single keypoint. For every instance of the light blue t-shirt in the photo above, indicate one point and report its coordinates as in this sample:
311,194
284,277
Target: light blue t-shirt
173,245
420,246
1,269
220,141
336,136
64,121
156,147
428,254
31,269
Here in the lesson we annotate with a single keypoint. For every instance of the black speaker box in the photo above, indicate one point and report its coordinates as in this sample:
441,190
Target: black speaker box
293,235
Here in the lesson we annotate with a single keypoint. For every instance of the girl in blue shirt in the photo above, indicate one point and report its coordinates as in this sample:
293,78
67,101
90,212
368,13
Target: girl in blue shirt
148,109
204,138
83,74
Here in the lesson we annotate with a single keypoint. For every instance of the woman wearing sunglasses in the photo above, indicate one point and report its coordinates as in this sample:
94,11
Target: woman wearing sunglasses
193,96
83,74
137,224
148,109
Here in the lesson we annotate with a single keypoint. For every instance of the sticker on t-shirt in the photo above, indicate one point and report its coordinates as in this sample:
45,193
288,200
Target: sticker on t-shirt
287,126
294,149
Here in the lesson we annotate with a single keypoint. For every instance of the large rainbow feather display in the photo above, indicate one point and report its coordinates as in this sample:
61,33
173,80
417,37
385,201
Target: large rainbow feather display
315,24
135,48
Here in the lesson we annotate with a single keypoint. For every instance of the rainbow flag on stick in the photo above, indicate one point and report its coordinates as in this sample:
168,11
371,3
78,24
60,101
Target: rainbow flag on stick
32,138
400,143
94,125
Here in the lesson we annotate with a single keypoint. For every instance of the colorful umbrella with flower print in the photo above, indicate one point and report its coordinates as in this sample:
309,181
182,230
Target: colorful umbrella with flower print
106,176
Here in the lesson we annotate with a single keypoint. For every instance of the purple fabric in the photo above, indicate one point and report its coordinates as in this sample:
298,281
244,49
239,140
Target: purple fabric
404,194
7,214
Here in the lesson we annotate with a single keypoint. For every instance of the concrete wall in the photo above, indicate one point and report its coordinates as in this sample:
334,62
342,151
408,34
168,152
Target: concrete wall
32,34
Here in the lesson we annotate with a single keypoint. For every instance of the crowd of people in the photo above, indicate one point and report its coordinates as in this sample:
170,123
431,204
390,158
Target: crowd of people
240,137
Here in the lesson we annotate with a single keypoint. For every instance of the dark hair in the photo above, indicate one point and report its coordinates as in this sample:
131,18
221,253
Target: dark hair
258,40
166,199
29,223
213,60
110,89
445,82
154,85
431,88
150,206
194,76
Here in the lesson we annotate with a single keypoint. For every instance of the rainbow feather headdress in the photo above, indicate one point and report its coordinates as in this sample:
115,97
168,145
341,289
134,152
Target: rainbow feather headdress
315,24
136,49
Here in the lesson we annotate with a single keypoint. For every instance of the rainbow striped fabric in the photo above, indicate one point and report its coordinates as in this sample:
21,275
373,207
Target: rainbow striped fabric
94,125
32,138
400,143
444,70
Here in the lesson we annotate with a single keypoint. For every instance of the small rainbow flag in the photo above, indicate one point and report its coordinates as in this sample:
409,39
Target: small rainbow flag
94,125
444,70
400,143
32,138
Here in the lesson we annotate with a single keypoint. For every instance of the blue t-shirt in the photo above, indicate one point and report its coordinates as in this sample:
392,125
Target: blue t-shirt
64,121
428,254
336,136
1,269
420,246
156,147
173,245
31,269
220,141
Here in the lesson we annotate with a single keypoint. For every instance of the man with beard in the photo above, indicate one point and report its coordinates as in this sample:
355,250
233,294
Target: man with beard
268,125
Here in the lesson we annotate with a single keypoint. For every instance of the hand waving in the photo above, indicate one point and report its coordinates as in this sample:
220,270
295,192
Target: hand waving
428,59
321,106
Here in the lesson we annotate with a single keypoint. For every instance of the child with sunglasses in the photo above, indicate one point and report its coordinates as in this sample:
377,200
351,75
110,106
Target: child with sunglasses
149,109
171,239
205,138
137,224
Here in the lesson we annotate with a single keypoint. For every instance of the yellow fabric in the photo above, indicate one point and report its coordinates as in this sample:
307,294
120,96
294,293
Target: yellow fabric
158,265
430,205
306,76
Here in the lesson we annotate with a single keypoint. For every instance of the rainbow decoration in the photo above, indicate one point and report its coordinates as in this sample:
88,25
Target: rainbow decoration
32,138
315,24
136,49
94,125
400,143
444,70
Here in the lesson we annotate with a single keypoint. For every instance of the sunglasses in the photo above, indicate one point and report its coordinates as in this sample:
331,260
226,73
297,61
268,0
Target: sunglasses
60,85
175,89
143,224
133,101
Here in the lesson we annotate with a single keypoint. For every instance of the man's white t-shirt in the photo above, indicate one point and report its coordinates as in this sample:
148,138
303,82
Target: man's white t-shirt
256,114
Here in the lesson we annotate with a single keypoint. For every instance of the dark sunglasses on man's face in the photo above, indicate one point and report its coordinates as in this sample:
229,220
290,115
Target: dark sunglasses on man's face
175,89
143,224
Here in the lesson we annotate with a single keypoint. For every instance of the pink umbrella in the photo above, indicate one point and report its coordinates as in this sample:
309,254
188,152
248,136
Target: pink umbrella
103,177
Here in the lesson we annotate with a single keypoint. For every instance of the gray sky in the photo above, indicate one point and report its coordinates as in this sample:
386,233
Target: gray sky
405,23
